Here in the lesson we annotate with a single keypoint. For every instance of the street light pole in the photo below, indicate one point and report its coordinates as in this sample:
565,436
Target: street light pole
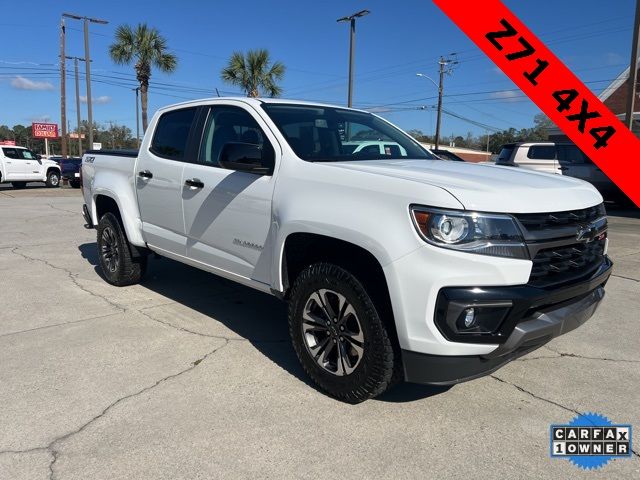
633,69
87,61
352,40
63,93
75,66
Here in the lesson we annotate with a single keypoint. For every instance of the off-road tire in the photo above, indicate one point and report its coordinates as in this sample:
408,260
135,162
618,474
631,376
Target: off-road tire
127,270
374,373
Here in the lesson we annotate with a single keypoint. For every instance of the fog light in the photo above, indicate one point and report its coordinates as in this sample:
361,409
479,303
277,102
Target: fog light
469,317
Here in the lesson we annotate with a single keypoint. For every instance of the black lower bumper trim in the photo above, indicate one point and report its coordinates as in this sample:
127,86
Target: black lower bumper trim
528,335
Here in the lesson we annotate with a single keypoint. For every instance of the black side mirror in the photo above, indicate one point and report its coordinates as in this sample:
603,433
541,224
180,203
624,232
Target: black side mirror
244,157
38,156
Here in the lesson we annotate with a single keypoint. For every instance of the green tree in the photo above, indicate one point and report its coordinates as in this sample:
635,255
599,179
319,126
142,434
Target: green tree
254,73
147,48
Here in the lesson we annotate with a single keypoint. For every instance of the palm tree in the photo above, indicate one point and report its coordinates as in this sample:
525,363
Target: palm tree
147,48
254,72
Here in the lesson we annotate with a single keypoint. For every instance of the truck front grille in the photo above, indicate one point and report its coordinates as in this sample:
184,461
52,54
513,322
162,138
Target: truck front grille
536,222
554,266
572,260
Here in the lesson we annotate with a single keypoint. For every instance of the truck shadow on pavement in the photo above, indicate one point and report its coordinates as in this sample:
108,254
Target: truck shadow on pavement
259,318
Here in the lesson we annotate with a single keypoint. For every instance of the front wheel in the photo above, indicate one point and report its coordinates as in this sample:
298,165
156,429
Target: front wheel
338,335
118,265
53,179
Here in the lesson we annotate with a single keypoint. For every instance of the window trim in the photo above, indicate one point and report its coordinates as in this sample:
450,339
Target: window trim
202,125
189,141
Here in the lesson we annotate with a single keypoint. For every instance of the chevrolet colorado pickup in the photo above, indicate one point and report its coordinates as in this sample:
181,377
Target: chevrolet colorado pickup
395,264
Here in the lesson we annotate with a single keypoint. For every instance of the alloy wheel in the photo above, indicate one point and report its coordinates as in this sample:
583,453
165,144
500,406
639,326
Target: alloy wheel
109,250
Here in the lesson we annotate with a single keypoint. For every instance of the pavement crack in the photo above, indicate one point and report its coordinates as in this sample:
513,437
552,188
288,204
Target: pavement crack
72,276
52,447
518,387
575,355
62,209
58,325
626,278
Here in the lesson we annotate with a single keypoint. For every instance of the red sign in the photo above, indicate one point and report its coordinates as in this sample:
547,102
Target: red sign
552,87
44,130
8,142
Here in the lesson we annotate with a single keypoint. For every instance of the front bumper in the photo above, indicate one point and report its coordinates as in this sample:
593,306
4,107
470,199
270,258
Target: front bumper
547,314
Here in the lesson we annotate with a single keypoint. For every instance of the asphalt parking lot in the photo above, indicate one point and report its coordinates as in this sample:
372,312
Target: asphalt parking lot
191,376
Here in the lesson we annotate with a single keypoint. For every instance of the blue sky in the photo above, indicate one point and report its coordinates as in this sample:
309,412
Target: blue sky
397,40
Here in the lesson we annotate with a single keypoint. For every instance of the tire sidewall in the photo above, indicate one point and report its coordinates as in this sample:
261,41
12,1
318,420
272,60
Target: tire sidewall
50,176
369,370
109,220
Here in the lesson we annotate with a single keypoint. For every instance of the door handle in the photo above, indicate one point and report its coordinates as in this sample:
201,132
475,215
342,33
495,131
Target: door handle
194,182
145,174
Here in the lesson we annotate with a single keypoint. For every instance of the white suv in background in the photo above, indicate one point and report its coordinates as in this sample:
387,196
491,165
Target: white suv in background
20,165
560,158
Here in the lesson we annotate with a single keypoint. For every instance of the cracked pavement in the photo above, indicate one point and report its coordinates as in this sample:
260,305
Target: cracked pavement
191,376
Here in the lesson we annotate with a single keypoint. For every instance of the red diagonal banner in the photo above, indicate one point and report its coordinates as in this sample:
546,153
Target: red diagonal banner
552,87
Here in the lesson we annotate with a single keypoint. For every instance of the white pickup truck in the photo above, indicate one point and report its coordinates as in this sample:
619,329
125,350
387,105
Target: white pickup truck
20,165
396,265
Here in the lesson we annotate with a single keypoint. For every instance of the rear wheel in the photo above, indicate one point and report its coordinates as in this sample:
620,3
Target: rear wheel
118,265
53,179
338,335
19,184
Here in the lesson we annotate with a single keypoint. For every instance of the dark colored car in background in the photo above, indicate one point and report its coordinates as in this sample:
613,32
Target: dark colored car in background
70,169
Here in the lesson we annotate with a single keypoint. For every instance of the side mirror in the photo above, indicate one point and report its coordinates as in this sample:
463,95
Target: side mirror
38,156
244,157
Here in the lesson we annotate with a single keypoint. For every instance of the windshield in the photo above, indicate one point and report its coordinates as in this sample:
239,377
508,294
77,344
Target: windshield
327,134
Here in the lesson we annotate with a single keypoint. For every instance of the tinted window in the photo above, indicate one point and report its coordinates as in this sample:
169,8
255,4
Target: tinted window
327,134
571,154
232,125
505,154
19,153
392,150
172,132
542,152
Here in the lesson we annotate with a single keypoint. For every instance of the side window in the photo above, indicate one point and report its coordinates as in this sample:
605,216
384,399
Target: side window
172,131
226,124
542,152
11,153
571,154
392,150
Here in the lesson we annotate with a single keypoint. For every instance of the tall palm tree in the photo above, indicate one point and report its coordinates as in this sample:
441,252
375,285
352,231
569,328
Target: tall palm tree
254,72
147,48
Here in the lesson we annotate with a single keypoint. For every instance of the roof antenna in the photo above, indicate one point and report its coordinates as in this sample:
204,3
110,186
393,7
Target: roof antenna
217,92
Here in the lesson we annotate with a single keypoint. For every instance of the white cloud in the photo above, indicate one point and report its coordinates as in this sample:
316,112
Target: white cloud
507,95
379,109
22,83
41,118
101,100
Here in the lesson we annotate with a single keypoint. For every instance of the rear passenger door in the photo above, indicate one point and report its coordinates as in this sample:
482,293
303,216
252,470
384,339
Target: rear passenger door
158,180
15,165
227,213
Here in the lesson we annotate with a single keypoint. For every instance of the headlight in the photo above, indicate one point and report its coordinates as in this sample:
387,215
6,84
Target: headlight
473,232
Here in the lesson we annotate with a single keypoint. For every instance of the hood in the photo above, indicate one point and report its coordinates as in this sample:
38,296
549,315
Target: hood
487,187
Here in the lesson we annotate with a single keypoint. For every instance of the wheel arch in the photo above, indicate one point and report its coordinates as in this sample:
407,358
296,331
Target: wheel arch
105,201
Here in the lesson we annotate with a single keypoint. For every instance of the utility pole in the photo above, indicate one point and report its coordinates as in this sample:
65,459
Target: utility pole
633,69
75,66
352,40
137,89
87,61
443,63
63,93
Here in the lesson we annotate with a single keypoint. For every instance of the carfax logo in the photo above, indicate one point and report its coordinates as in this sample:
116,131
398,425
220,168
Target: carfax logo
590,441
